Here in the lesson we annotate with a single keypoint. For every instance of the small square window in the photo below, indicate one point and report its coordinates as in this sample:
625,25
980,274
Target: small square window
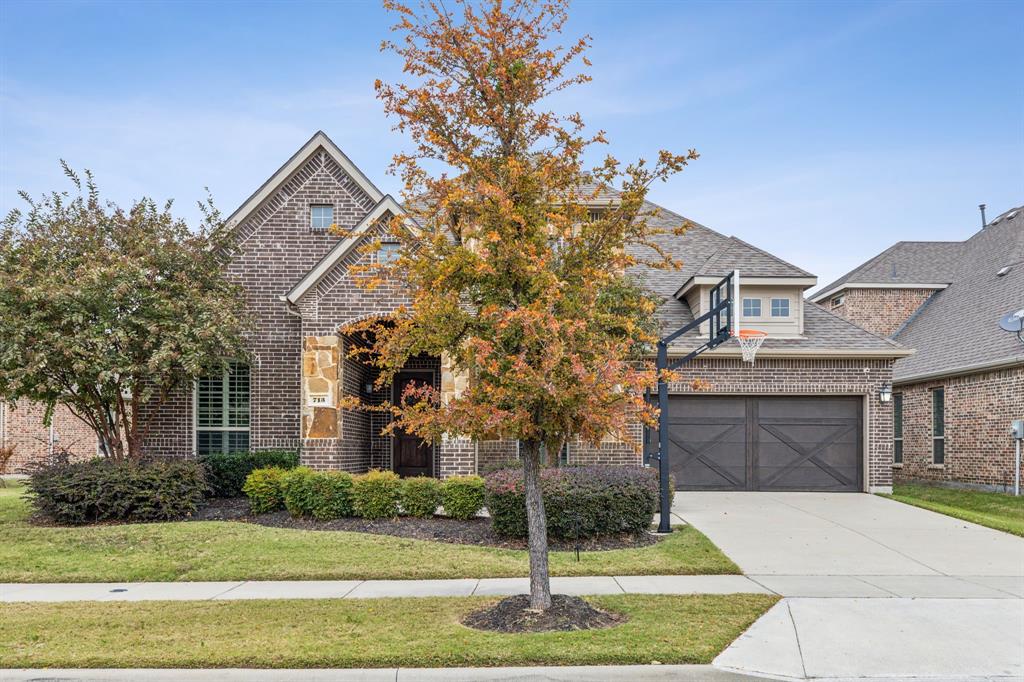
838,300
321,217
751,307
780,307
388,252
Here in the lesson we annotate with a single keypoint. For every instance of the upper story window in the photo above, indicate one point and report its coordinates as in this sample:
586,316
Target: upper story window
321,216
751,307
938,426
594,214
388,252
897,428
838,300
780,307
222,411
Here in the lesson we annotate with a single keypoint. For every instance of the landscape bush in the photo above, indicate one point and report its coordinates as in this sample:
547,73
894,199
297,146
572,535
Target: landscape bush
462,496
264,489
376,494
421,496
589,501
109,490
332,495
297,489
226,472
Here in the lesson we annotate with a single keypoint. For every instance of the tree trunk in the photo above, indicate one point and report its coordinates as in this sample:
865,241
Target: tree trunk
537,525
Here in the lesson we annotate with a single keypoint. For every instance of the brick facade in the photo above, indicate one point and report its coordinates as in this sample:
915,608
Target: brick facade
880,311
22,427
276,247
978,447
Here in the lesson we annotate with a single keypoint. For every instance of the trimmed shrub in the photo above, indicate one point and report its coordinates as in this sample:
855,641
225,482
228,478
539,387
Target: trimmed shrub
376,494
108,490
421,496
332,495
226,473
586,501
264,490
462,496
298,490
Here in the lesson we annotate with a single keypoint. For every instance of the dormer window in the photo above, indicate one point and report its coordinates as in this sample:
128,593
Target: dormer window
751,307
594,214
780,307
321,216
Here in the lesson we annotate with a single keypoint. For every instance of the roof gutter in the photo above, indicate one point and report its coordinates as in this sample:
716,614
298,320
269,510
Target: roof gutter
817,298
963,369
802,282
845,353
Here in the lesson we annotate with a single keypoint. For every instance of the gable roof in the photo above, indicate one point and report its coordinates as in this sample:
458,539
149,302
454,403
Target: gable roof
751,261
918,265
281,175
386,205
957,330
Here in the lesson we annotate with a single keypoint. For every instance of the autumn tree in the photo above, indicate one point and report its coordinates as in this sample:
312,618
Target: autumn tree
515,257
109,311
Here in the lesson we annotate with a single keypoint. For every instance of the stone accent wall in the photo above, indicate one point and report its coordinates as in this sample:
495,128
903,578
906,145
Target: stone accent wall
22,427
979,409
880,311
320,382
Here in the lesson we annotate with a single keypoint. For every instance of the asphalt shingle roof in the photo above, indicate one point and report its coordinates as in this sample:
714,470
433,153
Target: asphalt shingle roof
958,327
906,263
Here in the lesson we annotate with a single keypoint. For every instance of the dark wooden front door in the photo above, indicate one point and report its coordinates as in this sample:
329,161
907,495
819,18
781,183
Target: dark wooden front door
766,442
412,456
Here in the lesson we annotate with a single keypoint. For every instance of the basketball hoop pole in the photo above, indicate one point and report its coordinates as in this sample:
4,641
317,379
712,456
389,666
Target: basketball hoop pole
719,334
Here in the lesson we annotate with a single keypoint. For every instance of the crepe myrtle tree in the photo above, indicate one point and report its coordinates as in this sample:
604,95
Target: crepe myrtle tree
108,311
512,274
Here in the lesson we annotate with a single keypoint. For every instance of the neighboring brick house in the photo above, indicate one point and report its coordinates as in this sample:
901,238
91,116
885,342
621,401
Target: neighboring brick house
806,416
955,397
22,427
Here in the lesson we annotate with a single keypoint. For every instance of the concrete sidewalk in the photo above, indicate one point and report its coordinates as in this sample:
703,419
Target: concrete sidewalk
821,586
883,638
369,589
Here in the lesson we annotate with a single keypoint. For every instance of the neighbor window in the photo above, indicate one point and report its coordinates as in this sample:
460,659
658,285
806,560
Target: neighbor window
780,307
321,217
222,411
897,428
388,252
938,426
838,301
751,307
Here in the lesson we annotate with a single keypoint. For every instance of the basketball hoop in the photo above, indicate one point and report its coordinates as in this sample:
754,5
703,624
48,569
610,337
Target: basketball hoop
750,341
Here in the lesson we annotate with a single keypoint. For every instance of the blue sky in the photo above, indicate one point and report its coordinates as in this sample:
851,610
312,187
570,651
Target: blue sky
828,130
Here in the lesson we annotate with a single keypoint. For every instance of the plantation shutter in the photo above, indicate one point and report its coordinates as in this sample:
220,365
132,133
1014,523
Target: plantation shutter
222,411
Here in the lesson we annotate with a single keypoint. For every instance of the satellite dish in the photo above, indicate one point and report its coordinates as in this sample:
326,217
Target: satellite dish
1013,322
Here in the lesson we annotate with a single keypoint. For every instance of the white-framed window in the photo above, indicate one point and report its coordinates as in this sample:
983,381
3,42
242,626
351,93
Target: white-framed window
222,411
321,216
780,307
897,428
838,300
751,307
938,426
388,252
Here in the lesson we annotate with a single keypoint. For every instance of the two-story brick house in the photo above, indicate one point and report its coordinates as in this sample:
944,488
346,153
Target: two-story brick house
955,397
808,415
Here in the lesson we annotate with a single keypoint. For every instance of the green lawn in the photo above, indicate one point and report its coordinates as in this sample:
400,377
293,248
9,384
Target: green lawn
359,633
223,550
995,510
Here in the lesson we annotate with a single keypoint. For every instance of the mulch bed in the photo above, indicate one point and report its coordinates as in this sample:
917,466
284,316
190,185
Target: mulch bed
438,529
566,614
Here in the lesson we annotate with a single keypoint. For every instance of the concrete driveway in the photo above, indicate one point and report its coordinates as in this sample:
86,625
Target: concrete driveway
874,588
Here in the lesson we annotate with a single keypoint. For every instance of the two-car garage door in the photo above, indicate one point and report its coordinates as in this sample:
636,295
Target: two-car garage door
766,442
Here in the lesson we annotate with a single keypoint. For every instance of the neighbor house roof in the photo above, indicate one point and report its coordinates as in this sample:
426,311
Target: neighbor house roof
905,265
957,330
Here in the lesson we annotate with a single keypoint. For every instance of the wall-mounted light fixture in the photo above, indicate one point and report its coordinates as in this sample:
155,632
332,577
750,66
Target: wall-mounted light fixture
885,393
